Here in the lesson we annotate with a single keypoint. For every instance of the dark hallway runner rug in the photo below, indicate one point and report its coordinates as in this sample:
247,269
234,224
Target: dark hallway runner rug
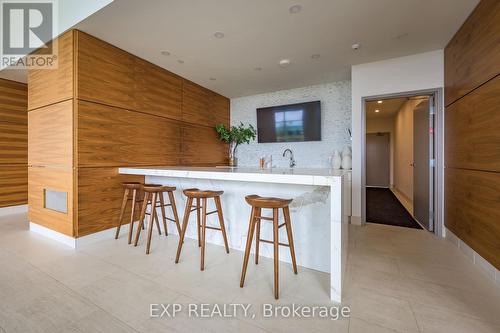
383,207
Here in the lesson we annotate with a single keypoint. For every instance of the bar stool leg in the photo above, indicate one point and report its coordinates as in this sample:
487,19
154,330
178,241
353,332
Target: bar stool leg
276,253
221,222
142,216
257,237
187,212
132,216
162,207
153,209
248,246
122,212
288,226
150,225
203,229
174,211
198,220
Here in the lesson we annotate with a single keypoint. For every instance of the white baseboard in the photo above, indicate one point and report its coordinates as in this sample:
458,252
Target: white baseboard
474,257
70,241
13,210
57,236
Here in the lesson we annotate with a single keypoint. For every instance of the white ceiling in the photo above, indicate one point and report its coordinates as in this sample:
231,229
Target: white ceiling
387,109
258,33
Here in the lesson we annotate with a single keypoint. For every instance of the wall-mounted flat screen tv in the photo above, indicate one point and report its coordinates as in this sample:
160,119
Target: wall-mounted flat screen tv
289,123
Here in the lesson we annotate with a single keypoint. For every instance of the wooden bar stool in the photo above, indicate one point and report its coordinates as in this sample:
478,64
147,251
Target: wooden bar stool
259,203
135,188
191,195
153,196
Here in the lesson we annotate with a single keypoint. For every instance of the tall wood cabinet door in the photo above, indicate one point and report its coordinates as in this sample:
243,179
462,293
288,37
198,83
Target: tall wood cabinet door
105,73
219,106
196,104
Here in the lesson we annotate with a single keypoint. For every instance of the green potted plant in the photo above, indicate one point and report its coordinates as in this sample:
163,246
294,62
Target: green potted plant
235,135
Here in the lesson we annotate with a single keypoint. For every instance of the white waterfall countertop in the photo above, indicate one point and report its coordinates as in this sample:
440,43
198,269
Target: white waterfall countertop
319,210
299,176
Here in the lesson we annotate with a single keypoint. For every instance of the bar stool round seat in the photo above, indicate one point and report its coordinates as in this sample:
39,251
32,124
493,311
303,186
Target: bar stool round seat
196,193
132,185
258,203
153,188
267,202
201,197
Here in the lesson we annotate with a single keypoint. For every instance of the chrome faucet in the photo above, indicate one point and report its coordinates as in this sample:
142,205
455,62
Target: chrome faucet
292,160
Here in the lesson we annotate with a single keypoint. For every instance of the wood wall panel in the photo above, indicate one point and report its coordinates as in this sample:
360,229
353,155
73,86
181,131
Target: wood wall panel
51,135
472,57
114,77
54,85
220,107
472,134
201,146
13,143
13,102
109,136
105,73
196,104
472,210
13,185
99,199
40,178
156,91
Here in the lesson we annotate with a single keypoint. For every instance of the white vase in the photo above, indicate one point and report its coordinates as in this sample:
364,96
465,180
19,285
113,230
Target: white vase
336,160
346,162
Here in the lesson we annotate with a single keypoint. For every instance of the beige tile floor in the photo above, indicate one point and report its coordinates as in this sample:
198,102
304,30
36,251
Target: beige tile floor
398,280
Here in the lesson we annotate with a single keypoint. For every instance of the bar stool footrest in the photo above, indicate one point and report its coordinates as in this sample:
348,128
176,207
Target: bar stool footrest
271,242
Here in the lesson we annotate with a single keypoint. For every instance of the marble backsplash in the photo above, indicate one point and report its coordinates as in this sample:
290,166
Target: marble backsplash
336,120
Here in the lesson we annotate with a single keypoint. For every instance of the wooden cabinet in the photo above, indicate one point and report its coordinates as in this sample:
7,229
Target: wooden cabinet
99,198
472,57
201,146
54,85
472,134
51,135
472,210
110,136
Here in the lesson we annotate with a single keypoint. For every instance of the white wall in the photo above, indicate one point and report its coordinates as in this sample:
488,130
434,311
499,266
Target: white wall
398,75
336,119
384,125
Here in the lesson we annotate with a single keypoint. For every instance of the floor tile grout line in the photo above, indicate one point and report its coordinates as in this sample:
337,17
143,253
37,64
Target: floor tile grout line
71,291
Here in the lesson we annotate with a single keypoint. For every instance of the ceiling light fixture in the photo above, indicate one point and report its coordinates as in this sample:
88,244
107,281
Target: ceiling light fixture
295,9
212,79
315,56
165,53
257,69
379,102
180,61
377,111
355,46
284,62
219,34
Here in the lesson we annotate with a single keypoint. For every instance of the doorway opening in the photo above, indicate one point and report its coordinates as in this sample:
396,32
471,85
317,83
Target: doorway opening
400,175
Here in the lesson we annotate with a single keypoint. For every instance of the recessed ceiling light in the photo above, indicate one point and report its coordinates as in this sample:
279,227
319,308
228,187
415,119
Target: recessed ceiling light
295,9
165,53
257,69
355,46
377,111
379,102
315,56
402,36
284,62
219,34
212,79
180,61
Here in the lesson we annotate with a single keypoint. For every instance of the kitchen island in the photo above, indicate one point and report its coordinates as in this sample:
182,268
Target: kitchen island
319,211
